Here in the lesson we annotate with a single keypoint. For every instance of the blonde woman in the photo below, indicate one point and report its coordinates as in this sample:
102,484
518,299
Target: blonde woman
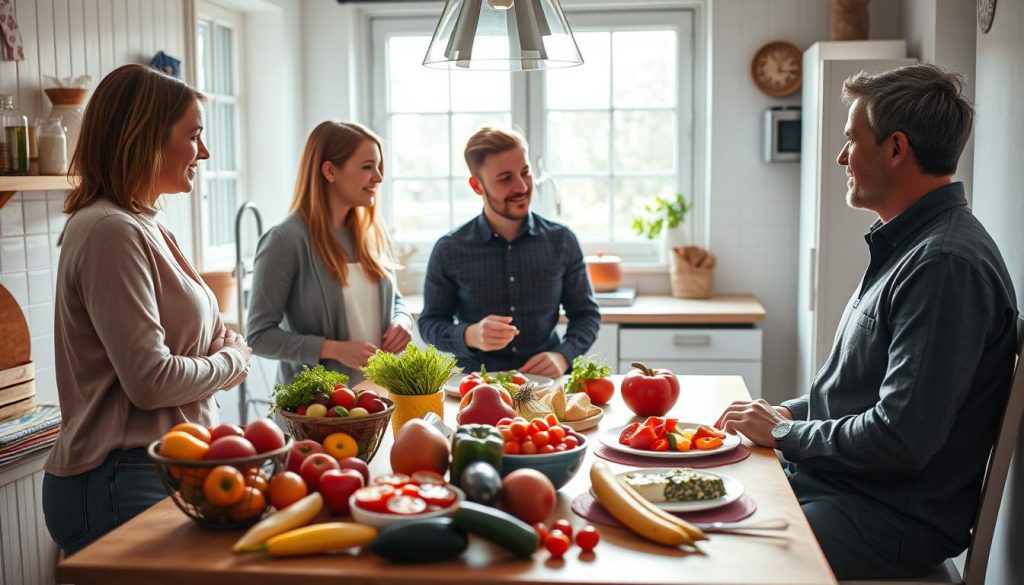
139,344
323,290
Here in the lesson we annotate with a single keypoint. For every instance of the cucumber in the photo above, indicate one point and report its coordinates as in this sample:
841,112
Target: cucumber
418,541
498,527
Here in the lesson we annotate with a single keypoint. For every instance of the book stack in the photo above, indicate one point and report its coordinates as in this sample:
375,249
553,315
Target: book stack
30,432
17,391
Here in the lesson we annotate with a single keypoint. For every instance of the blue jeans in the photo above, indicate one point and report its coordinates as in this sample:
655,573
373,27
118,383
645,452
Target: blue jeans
81,508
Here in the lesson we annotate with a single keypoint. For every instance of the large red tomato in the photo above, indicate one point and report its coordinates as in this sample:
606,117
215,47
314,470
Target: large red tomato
600,390
528,495
649,392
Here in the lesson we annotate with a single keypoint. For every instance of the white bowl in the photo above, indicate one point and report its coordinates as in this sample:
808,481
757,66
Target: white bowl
379,520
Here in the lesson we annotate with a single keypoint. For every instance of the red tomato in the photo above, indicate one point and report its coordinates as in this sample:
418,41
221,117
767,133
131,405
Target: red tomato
519,428
570,442
660,445
588,538
650,392
438,495
600,390
406,505
542,532
628,432
541,438
395,480
374,497
518,378
528,495
469,382
557,544
643,439
564,525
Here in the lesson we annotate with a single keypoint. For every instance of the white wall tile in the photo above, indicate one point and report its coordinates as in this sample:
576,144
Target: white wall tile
17,284
37,251
11,218
35,217
46,386
12,254
40,286
54,253
40,320
42,351
55,213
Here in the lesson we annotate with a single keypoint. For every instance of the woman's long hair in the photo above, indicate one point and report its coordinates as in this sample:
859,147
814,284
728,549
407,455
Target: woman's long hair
337,142
126,123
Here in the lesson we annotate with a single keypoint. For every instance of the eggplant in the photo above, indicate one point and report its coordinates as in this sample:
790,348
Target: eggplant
420,541
481,482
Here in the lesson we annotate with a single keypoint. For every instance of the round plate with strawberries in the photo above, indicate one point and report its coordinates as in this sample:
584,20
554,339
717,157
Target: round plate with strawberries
461,383
668,438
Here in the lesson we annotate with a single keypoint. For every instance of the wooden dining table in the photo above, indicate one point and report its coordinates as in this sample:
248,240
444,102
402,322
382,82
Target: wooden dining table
162,545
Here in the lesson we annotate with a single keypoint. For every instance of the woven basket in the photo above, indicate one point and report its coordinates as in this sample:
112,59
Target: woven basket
183,481
366,430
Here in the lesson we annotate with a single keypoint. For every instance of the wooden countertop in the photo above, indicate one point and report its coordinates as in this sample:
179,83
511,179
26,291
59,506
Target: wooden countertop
665,310
163,546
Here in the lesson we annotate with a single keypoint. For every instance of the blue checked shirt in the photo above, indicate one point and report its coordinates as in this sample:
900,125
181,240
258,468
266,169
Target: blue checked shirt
474,272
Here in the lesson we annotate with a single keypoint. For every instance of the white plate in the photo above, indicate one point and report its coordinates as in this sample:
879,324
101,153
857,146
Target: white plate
733,491
610,438
451,387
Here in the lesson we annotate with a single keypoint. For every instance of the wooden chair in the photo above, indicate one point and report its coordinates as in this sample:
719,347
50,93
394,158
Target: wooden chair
991,492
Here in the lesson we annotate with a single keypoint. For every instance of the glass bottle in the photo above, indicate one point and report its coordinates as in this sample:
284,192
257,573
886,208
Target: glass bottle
15,151
52,146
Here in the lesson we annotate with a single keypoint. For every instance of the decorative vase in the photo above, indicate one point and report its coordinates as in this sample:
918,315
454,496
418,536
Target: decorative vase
672,238
850,20
408,407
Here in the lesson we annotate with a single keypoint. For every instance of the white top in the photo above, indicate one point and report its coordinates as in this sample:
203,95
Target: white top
362,306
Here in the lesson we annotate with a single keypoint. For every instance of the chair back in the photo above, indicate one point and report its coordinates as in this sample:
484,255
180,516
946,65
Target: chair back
995,478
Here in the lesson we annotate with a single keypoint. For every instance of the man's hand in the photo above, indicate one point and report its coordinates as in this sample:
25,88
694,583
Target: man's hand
491,333
353,354
549,363
755,420
396,337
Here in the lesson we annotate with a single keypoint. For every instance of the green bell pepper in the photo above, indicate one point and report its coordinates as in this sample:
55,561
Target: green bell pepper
475,442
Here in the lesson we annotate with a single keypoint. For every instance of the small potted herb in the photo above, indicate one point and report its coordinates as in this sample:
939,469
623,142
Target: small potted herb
666,218
413,379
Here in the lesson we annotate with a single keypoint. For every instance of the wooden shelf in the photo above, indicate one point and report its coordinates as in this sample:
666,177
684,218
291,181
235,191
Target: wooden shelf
12,184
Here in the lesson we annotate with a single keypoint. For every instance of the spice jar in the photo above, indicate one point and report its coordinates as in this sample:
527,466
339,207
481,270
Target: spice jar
52,145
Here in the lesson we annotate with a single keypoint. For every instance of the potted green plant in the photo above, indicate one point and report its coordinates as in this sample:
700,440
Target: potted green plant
413,379
664,217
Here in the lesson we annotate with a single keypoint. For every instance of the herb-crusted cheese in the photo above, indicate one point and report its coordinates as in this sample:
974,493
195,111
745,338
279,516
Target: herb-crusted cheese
677,485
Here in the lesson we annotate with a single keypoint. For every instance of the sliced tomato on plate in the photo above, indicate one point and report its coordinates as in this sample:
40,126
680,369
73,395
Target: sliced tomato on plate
438,495
374,497
406,505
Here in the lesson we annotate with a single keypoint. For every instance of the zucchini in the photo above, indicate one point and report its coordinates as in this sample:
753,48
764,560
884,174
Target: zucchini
498,527
423,540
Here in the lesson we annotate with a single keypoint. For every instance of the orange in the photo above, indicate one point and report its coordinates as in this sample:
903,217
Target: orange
341,445
284,489
250,506
196,430
224,486
182,446
257,479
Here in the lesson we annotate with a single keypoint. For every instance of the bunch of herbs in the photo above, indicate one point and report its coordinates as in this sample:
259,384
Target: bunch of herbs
306,385
413,372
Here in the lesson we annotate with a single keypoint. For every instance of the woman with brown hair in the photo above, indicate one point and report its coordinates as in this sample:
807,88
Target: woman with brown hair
323,288
140,346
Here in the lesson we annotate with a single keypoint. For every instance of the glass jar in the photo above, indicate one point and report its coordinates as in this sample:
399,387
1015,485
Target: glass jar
52,146
14,149
72,116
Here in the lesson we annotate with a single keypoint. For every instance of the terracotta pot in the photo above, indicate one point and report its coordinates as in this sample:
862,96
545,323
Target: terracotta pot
223,286
605,272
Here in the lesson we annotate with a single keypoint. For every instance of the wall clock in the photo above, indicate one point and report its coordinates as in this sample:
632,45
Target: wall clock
777,68
986,12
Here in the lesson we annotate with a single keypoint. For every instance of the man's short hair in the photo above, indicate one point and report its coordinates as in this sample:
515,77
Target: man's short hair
487,141
924,102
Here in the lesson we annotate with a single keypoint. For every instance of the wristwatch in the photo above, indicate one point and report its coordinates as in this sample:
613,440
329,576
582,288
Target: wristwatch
782,429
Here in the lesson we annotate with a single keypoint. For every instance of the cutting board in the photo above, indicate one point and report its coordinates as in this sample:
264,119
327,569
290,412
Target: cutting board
15,348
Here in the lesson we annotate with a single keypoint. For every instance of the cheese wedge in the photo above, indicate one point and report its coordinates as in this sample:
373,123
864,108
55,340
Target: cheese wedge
676,485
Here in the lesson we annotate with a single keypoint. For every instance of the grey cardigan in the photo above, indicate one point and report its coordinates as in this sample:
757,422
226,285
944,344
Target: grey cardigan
296,304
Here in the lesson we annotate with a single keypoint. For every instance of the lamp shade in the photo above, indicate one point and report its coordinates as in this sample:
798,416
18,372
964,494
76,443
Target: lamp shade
502,35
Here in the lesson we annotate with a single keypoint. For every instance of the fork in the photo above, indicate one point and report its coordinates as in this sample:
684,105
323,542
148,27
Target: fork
769,524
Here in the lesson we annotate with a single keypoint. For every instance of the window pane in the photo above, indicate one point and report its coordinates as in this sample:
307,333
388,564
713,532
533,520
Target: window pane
645,140
630,197
202,55
644,65
224,61
421,212
463,126
419,144
584,205
481,91
224,139
411,86
577,142
465,203
222,212
586,86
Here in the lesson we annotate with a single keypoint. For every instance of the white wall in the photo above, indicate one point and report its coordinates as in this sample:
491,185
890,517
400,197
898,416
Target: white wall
63,38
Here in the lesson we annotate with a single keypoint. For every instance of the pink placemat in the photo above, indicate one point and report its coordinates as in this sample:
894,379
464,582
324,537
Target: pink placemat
732,456
586,506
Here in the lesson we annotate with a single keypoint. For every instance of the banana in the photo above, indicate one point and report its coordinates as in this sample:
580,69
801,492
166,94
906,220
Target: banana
694,532
626,509
319,538
298,514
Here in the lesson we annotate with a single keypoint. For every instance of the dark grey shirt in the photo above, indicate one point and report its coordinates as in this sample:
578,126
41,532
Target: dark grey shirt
473,272
900,419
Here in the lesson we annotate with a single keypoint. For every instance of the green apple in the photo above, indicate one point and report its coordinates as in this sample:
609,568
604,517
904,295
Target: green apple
358,411
316,409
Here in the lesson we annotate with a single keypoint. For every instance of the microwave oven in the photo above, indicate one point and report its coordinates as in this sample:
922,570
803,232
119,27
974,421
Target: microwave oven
782,134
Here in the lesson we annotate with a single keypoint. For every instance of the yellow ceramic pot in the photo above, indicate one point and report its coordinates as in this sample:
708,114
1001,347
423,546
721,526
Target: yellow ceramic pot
415,406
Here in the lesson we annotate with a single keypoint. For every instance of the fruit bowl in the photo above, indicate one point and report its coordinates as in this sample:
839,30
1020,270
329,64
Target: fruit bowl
559,467
382,520
367,430
184,482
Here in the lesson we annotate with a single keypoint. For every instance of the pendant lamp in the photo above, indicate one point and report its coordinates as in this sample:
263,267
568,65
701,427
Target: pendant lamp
502,35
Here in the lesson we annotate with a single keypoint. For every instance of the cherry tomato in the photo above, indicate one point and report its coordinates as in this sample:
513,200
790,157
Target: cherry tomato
564,525
528,448
588,538
570,442
541,438
552,420
538,424
557,544
512,448
519,428
518,378
542,532
545,449
557,434
504,422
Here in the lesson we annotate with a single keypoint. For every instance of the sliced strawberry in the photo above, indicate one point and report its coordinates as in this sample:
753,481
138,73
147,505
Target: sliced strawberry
643,439
627,433
660,445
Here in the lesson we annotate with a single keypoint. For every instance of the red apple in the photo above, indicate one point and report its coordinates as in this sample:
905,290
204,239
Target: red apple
366,399
299,451
336,486
264,435
356,464
376,405
314,466
344,397
230,447
225,430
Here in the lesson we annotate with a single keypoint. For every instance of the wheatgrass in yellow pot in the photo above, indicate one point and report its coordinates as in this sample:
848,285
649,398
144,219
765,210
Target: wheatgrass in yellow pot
414,380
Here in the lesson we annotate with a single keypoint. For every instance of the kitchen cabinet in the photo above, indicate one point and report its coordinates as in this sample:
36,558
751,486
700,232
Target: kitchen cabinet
695,351
27,553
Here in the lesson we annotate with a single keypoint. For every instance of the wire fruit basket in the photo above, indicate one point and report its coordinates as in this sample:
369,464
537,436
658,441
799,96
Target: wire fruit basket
366,430
186,483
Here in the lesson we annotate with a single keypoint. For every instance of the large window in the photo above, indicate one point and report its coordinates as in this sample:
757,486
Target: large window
221,190
605,138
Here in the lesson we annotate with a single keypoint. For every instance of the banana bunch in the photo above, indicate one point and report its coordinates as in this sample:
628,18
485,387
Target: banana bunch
285,533
638,514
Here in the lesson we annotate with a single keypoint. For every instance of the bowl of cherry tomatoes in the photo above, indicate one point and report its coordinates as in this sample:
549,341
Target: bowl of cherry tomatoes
395,498
543,444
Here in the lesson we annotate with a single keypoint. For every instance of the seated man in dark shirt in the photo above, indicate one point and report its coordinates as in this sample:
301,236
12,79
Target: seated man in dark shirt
887,453
505,274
